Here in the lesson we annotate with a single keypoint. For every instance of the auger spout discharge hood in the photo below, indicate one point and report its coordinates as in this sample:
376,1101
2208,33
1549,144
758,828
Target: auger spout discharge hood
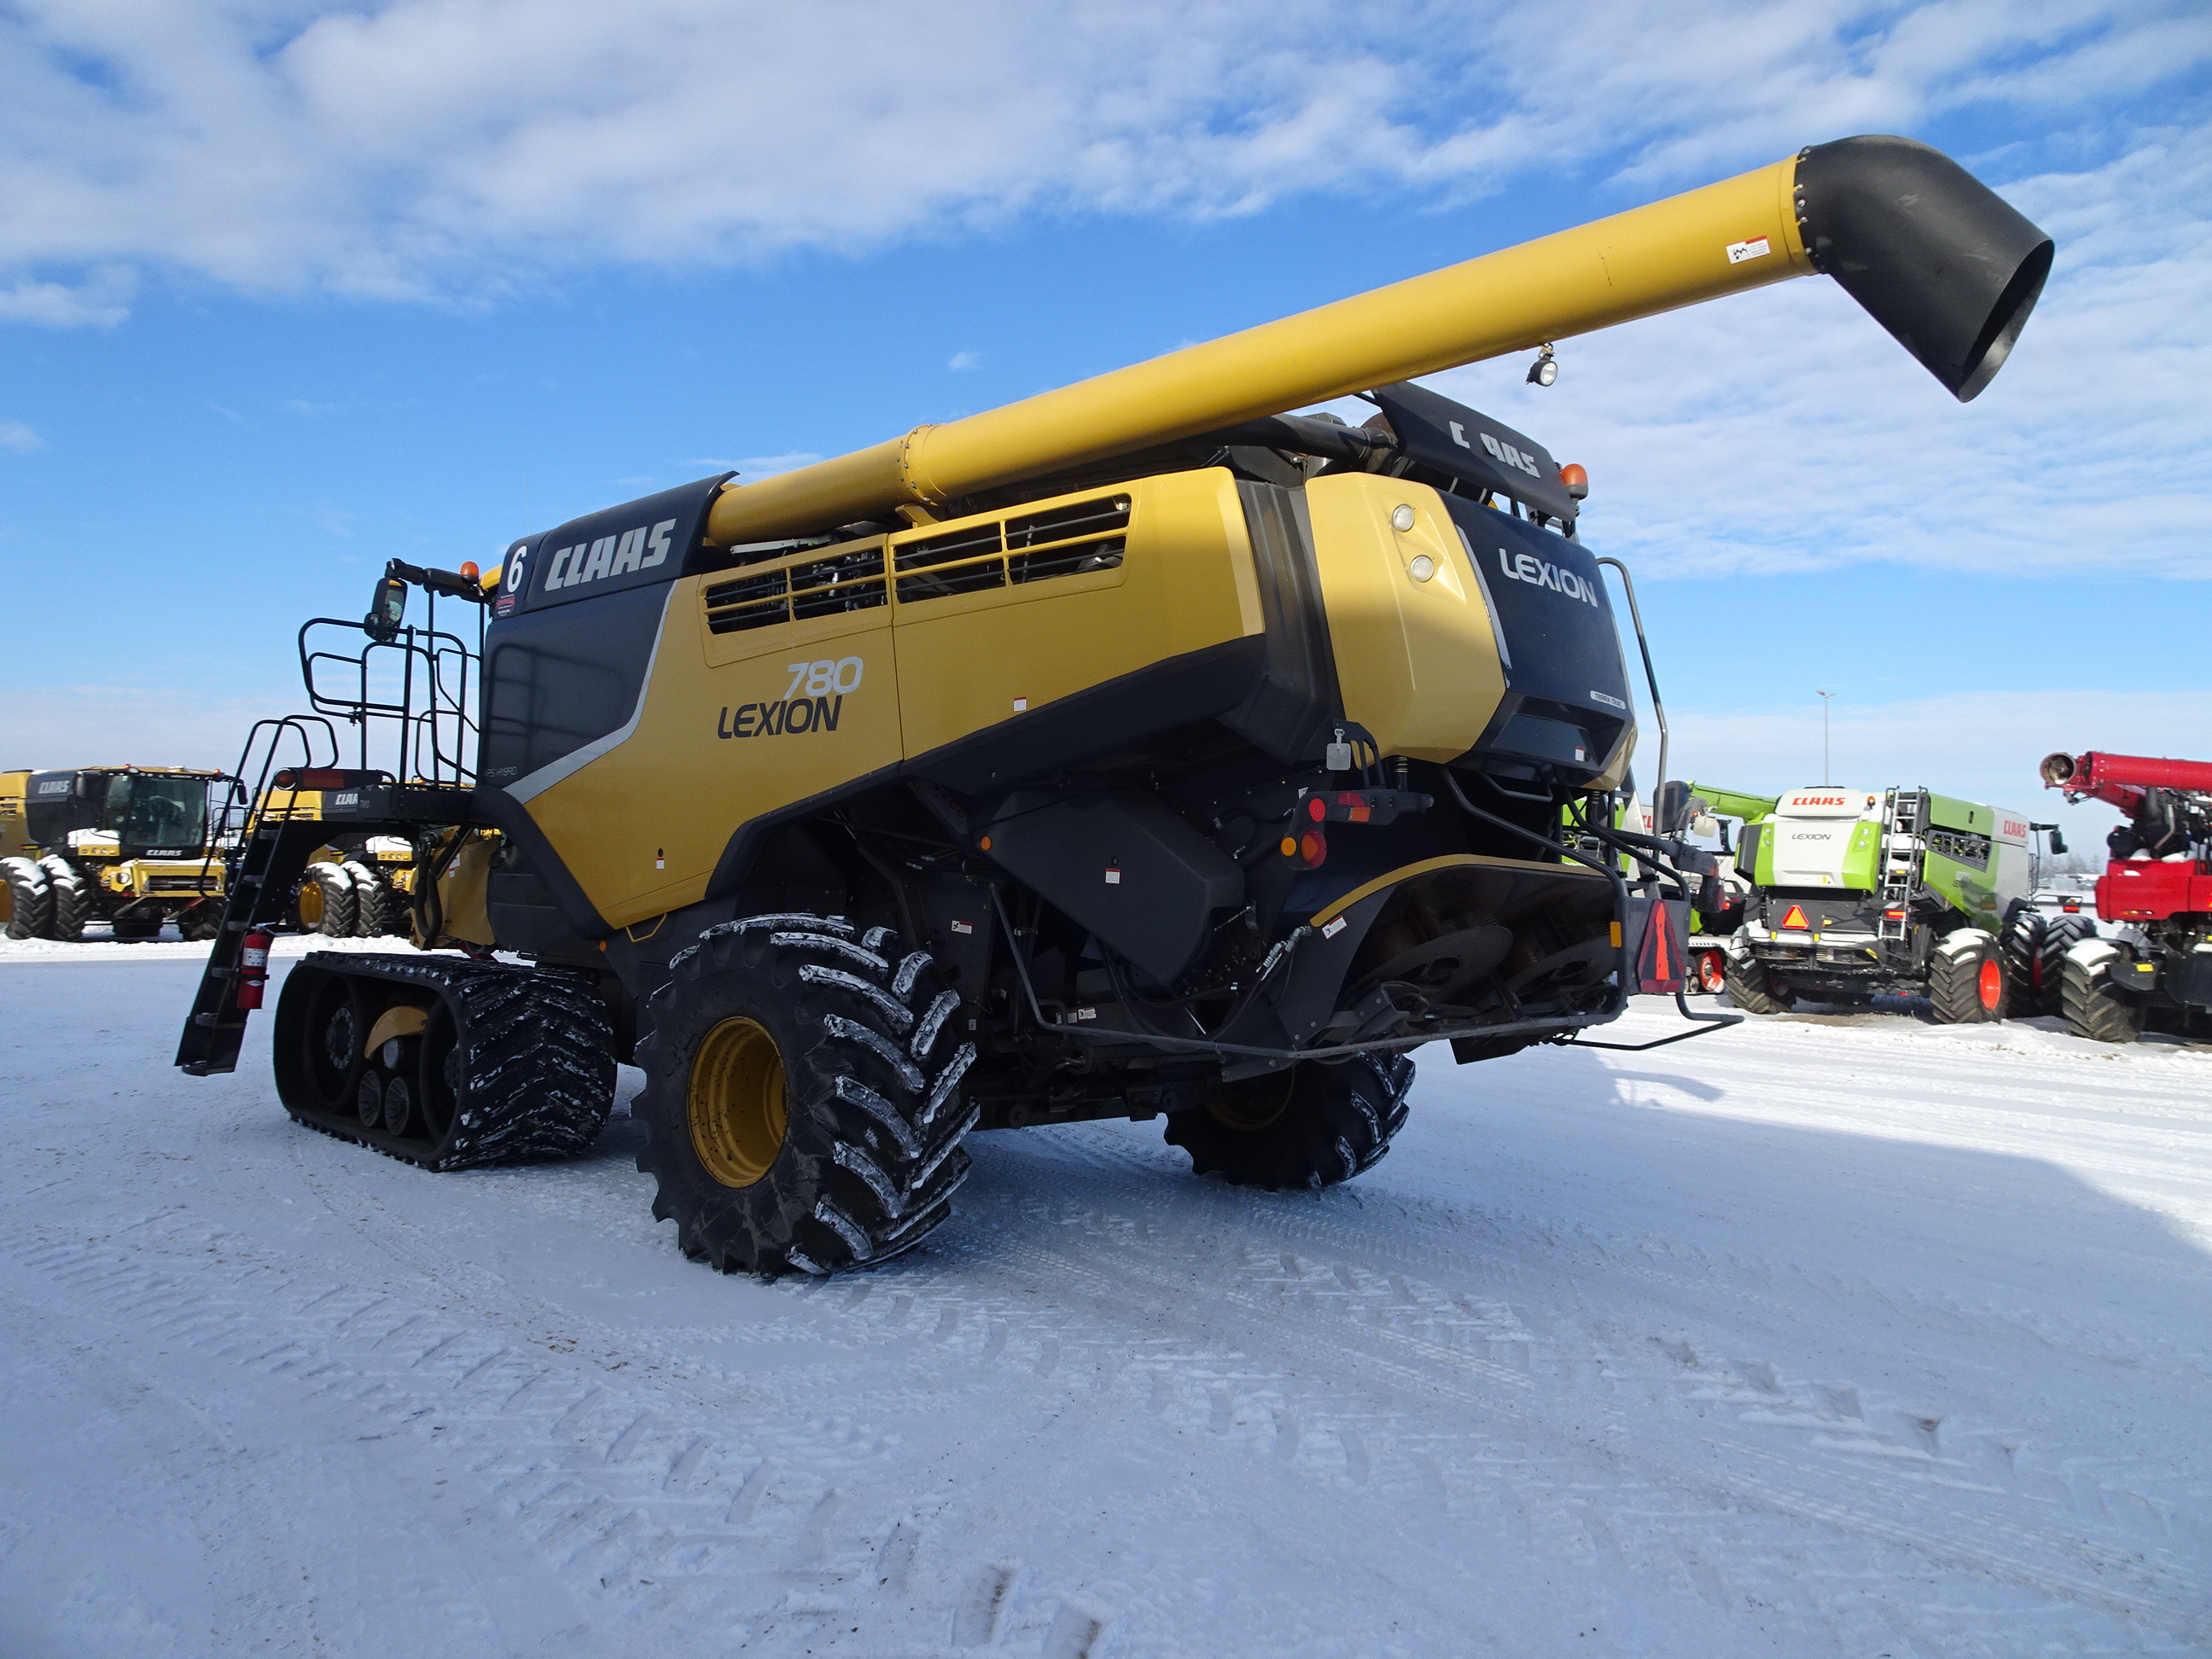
1935,255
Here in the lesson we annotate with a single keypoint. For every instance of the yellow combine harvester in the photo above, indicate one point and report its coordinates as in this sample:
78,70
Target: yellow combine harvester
1136,750
126,845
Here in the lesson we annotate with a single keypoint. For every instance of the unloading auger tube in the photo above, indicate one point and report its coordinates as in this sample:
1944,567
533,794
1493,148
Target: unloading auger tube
1933,254
1138,751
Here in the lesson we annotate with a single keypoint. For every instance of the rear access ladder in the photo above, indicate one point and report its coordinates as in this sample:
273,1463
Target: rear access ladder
1903,850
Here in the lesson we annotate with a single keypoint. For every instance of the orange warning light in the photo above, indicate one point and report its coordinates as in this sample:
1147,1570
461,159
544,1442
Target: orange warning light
1796,918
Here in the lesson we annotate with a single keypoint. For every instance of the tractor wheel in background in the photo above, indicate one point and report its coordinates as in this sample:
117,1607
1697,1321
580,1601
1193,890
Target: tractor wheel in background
74,903
203,921
498,1065
2093,1006
1712,972
1308,1127
372,906
1966,980
802,1105
336,905
30,904
2027,931
1750,989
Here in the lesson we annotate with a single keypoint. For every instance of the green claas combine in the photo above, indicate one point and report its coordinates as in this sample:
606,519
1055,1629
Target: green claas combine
1139,750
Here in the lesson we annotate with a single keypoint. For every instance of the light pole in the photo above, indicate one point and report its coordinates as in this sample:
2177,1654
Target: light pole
1825,697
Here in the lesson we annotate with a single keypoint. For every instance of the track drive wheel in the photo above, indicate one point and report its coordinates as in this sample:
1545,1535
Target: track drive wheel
371,899
202,920
485,1064
2093,1006
74,902
802,1105
1310,1126
334,902
1750,988
1966,979
30,903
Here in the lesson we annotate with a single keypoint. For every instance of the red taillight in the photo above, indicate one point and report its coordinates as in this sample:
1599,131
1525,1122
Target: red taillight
1316,808
1892,915
1313,848
253,966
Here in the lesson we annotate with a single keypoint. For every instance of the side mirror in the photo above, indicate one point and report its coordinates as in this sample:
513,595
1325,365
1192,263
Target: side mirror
2058,843
387,609
1706,825
1671,808
85,786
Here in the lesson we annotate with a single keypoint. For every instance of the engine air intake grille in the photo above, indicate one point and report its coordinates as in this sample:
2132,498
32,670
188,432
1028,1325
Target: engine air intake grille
820,587
1068,541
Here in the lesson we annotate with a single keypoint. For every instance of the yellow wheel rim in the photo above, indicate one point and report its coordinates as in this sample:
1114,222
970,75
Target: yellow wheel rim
1252,1107
736,1102
311,905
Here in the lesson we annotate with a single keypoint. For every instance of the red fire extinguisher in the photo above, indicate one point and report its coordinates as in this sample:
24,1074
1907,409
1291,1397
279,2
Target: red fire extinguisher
253,966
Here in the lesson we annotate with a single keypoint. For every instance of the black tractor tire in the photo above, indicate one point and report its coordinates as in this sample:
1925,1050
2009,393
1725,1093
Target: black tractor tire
1308,1127
514,1066
75,900
2035,947
373,905
341,907
2093,1006
30,903
1967,984
803,1107
202,921
1750,989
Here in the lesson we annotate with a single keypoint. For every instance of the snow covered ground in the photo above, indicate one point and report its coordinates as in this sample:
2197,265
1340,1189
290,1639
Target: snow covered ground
1822,1336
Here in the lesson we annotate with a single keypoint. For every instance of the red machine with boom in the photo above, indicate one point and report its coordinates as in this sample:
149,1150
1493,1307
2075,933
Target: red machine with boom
2156,971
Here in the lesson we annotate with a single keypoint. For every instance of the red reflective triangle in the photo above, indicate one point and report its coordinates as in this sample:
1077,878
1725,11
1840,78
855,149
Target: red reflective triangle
1796,918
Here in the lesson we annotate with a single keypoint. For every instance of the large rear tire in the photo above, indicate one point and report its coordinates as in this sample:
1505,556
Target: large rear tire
337,907
1310,1126
30,904
2093,1006
802,1105
1966,980
74,902
1750,989
371,899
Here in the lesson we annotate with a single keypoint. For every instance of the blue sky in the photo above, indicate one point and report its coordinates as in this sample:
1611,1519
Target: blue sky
287,288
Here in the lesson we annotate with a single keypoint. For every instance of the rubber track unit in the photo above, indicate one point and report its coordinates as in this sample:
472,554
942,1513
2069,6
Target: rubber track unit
74,903
340,905
1337,1123
1750,989
1955,971
31,902
873,1061
2092,1005
536,1077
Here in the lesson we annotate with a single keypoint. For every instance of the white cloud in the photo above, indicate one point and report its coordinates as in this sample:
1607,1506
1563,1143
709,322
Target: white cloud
100,301
962,360
413,147
1783,430
753,468
18,438
84,724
